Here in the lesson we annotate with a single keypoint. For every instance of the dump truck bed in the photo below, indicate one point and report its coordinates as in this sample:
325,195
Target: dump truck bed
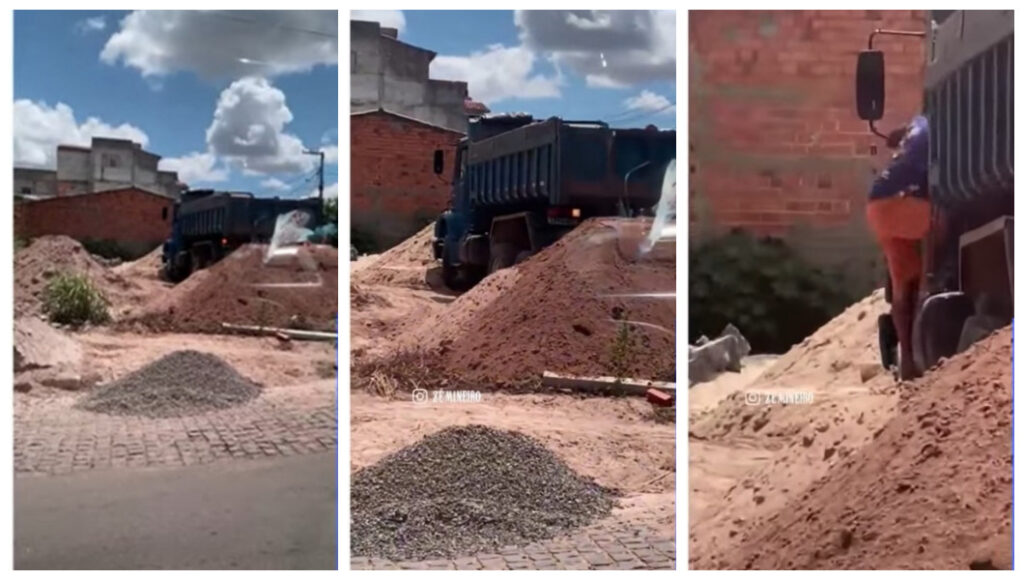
564,163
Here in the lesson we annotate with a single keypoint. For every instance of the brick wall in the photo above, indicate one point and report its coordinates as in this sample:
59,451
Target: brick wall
775,143
394,189
131,217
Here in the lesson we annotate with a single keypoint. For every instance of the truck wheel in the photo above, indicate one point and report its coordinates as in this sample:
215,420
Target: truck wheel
457,278
502,256
888,341
938,326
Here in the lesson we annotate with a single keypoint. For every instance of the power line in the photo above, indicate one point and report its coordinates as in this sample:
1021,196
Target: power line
229,16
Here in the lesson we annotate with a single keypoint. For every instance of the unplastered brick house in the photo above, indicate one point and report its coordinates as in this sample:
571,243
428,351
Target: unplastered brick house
776,147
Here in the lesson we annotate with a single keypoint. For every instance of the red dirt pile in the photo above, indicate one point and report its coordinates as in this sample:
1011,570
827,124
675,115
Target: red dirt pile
48,256
558,311
932,490
406,264
300,292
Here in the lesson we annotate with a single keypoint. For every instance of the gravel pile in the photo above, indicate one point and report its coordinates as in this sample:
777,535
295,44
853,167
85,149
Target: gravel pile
466,490
182,383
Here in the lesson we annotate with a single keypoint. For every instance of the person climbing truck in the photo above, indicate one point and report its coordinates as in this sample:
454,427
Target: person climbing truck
943,209
899,214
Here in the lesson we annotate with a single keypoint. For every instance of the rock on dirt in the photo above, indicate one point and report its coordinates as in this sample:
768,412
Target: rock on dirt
243,289
183,383
561,310
465,490
933,490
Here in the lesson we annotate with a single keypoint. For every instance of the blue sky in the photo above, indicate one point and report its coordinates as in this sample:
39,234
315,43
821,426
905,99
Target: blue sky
228,99
612,66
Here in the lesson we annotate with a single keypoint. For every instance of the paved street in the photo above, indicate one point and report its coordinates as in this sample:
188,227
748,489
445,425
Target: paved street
272,514
611,544
52,437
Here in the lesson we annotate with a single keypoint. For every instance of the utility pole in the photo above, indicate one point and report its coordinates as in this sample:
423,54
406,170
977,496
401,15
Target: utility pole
320,172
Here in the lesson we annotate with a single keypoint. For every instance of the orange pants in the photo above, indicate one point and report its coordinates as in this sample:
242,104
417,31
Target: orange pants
900,223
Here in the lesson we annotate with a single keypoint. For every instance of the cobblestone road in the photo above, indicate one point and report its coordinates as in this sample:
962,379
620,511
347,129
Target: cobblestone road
51,437
608,545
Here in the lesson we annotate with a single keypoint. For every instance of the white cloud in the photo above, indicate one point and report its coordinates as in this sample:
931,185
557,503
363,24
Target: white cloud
224,44
386,18
330,154
39,129
610,48
94,24
330,191
650,102
498,73
274,184
248,129
195,168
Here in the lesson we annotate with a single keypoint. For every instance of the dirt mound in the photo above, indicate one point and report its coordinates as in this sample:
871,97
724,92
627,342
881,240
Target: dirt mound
296,292
932,490
180,384
837,352
562,310
406,264
146,267
465,490
48,256
38,345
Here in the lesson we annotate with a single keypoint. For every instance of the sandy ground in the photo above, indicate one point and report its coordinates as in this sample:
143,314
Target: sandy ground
260,359
615,441
758,439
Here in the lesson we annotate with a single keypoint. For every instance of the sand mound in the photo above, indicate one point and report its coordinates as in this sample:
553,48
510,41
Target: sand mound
406,264
182,383
147,267
299,292
837,351
932,490
48,256
559,311
38,345
465,490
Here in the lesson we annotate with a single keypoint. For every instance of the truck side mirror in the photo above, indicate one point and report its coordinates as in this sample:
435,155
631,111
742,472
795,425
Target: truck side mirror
870,85
438,161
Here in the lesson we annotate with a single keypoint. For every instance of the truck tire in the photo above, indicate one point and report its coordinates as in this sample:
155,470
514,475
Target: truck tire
502,256
457,278
938,326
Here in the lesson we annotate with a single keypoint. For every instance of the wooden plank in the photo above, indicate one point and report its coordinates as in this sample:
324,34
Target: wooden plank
606,385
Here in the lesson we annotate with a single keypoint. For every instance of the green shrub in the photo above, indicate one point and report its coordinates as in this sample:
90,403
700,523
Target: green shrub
72,299
620,353
763,287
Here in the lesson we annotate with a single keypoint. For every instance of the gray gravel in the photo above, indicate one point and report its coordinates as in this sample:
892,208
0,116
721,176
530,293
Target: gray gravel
466,490
185,382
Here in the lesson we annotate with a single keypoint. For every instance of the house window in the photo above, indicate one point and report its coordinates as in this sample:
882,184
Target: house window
26,191
163,214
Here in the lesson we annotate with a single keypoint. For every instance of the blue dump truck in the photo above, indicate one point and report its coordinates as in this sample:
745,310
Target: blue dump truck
968,255
208,225
519,184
